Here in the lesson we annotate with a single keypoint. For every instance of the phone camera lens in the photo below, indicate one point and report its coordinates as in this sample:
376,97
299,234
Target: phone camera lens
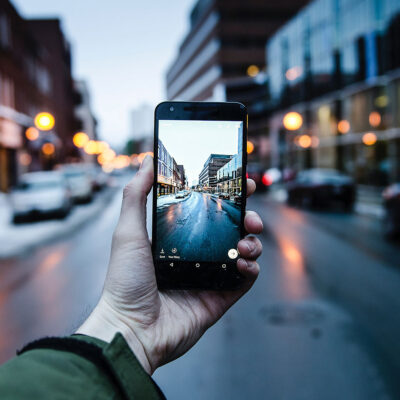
171,109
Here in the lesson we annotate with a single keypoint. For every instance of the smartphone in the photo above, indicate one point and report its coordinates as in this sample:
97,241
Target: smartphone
199,194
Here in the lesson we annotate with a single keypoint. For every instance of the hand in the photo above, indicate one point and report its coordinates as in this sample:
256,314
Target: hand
159,326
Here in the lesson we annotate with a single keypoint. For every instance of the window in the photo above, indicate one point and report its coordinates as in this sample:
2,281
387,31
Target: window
5,31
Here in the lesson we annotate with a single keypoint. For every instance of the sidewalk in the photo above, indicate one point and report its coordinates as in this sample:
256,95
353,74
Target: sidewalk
368,201
16,240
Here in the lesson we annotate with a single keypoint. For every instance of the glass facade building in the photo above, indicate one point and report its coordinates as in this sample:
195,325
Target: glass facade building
337,63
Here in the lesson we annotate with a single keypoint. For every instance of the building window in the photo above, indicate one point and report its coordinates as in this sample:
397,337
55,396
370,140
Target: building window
5,31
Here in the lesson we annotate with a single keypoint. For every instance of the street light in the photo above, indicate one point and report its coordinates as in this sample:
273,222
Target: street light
32,133
343,126
375,119
369,139
91,147
253,71
48,149
305,141
44,121
292,121
80,139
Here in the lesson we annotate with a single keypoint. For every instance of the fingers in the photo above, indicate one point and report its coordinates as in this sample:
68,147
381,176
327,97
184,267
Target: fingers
251,187
253,223
250,248
250,270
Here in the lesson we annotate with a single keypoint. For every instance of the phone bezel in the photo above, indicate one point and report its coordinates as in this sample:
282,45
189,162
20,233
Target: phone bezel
184,274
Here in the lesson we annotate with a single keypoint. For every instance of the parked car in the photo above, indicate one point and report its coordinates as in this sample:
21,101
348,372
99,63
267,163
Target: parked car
180,195
79,182
99,179
391,201
187,192
237,198
224,196
41,194
320,188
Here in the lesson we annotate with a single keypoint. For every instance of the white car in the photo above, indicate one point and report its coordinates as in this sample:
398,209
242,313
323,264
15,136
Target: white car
80,183
39,194
180,195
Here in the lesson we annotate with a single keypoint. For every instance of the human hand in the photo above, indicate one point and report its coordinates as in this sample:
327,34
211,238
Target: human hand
159,326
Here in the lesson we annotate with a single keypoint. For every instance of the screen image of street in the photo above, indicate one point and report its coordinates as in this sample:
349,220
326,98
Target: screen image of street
199,186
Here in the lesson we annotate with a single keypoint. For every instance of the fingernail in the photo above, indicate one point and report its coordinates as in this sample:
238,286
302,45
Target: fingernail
250,246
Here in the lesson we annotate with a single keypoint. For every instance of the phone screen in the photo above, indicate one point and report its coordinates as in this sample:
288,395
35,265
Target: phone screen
199,191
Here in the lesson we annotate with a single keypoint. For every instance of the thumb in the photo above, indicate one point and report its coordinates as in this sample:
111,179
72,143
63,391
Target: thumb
132,220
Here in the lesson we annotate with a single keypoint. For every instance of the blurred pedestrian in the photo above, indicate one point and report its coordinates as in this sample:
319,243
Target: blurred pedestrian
134,328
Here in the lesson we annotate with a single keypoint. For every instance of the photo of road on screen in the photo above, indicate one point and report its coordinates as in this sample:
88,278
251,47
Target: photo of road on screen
199,190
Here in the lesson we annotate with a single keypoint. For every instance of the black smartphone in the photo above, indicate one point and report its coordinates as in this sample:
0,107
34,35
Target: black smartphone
199,194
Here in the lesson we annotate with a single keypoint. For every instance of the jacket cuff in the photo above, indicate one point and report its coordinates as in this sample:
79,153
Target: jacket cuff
128,371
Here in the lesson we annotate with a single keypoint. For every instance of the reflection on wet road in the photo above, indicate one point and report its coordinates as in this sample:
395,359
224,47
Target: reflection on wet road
320,323
200,227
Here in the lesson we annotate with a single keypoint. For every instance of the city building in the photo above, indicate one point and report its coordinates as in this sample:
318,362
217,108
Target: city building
337,65
48,32
224,51
229,176
34,76
84,117
171,176
208,175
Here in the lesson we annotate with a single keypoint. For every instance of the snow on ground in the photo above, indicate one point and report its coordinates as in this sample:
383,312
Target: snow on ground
168,199
18,239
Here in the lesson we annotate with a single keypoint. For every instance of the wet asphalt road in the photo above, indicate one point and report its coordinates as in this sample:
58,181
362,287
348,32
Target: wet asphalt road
322,321
195,225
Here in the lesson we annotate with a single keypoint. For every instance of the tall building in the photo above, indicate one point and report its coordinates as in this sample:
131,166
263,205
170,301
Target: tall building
35,76
25,89
225,49
85,121
49,33
208,175
337,64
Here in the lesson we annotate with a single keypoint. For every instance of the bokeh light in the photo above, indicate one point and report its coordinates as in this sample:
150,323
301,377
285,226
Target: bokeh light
292,121
44,121
369,139
80,139
32,133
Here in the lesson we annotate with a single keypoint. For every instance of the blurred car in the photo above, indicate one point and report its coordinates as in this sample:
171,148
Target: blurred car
79,182
224,196
391,201
41,194
237,198
320,188
187,192
98,177
257,173
180,195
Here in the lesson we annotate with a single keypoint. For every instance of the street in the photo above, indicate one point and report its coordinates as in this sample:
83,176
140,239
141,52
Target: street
195,224
321,322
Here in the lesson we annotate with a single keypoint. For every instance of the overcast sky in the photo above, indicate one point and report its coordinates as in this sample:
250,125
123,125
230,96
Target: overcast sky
121,47
192,142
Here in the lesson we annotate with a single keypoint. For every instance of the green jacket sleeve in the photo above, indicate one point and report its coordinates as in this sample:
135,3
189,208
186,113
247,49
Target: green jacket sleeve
76,367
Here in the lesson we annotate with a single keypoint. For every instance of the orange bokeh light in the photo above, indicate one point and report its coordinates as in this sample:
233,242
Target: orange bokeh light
305,141
32,133
292,121
375,119
48,149
369,139
91,147
253,71
44,121
250,147
343,126
80,139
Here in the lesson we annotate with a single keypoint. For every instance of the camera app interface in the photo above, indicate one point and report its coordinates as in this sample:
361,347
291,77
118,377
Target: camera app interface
199,185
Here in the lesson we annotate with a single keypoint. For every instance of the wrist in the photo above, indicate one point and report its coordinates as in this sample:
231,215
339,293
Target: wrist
104,324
